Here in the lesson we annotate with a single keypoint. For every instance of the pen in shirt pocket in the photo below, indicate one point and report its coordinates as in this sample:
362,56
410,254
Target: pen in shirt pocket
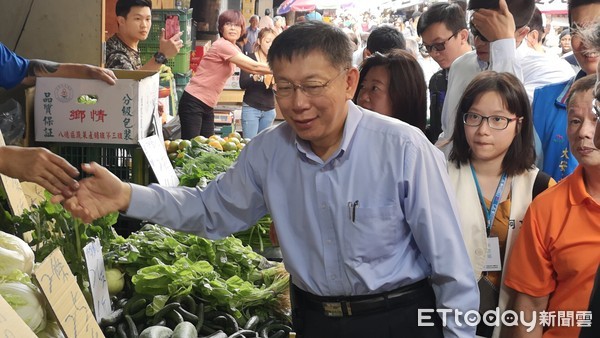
352,210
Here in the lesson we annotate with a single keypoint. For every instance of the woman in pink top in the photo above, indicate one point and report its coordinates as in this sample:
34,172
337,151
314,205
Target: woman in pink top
201,94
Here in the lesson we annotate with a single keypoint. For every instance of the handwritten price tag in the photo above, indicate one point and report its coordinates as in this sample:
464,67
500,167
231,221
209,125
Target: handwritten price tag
156,154
65,298
11,325
97,275
14,191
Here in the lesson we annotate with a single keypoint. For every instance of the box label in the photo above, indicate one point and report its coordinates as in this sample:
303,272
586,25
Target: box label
91,111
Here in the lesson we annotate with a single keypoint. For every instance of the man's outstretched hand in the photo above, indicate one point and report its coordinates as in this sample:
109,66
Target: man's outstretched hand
98,195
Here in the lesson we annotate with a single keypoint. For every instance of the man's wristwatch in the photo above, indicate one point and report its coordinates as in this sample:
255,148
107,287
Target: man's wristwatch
160,58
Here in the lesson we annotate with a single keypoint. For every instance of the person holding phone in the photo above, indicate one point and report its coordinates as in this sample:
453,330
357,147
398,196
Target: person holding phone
134,18
202,92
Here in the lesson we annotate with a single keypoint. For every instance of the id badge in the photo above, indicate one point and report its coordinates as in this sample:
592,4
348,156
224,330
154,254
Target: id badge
492,262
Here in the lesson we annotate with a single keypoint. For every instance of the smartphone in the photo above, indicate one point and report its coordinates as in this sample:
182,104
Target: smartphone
477,4
171,26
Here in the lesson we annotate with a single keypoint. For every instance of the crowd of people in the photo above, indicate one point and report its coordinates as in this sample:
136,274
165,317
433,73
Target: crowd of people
491,205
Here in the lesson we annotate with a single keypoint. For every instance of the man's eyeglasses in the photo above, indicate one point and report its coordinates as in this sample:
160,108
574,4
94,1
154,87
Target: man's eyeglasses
309,88
596,108
438,47
494,121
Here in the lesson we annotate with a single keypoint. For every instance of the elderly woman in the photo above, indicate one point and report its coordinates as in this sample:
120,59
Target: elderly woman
279,23
201,94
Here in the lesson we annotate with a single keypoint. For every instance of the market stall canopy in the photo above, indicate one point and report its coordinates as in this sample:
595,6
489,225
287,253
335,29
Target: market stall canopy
335,4
552,6
296,5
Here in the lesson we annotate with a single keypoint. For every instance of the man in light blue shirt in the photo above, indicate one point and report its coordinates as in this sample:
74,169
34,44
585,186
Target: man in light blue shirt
361,203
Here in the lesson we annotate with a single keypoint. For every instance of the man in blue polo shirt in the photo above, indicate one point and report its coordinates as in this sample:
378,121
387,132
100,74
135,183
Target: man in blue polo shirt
549,102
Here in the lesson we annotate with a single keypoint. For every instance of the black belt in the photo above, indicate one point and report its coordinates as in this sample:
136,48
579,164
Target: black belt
356,305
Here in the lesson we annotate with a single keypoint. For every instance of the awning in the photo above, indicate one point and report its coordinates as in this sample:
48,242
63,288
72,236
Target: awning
335,4
296,5
552,6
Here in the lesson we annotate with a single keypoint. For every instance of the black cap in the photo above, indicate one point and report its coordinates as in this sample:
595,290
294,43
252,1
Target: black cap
477,4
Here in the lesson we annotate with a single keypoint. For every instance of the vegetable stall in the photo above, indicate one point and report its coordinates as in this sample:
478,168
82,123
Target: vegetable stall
162,283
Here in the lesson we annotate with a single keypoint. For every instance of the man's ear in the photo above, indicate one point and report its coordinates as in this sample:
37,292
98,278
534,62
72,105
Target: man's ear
532,37
121,20
463,35
521,33
352,78
366,53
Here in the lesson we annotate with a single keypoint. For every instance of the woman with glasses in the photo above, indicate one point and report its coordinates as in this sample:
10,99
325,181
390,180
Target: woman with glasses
491,167
394,85
201,94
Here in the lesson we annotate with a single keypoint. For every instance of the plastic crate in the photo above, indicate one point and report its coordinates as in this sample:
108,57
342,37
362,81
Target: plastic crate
127,162
159,16
182,79
179,64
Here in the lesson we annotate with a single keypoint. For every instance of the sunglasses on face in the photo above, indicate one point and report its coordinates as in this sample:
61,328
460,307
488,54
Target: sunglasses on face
438,47
477,34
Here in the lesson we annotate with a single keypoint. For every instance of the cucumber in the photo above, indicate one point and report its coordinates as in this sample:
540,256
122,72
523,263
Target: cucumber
133,331
266,331
227,321
134,305
121,333
156,332
173,319
185,330
216,334
109,331
252,323
200,313
189,304
278,334
244,334
166,309
112,319
187,316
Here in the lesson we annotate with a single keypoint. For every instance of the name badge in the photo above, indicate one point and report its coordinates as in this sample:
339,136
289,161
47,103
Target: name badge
492,262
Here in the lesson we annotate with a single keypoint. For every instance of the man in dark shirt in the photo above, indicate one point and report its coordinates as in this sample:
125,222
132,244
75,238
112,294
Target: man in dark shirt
443,30
134,19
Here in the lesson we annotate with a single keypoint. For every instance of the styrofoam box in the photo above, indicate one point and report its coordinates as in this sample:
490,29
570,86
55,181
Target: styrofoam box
122,113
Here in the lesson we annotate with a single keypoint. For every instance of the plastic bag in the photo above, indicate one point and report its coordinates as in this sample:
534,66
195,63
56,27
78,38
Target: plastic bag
12,122
172,129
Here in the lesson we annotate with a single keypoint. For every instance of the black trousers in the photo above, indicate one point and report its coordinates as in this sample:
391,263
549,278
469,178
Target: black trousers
196,117
399,321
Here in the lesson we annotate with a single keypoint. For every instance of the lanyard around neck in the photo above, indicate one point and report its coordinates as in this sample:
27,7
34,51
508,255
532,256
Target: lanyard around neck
490,213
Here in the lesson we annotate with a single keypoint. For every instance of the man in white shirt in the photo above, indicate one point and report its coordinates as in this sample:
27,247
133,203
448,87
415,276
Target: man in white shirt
498,36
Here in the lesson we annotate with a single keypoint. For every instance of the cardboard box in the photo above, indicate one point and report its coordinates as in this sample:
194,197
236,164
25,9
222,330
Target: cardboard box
234,80
121,114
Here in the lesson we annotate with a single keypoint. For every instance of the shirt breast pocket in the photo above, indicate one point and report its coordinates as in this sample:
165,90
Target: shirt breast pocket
374,232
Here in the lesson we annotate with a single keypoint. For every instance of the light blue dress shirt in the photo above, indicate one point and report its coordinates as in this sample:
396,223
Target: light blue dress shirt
405,227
